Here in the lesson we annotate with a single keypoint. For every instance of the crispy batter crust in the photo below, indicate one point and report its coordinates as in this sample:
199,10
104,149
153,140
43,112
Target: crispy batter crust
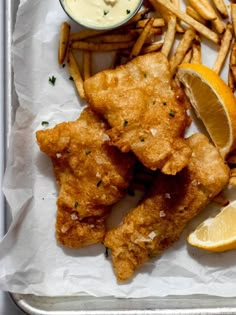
144,111
160,218
91,175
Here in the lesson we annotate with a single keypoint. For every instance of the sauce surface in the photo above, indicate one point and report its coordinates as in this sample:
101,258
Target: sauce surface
100,13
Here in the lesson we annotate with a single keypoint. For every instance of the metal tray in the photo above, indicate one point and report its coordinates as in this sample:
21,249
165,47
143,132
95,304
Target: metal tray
84,304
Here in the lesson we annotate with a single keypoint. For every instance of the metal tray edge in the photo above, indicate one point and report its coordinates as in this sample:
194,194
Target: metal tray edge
34,305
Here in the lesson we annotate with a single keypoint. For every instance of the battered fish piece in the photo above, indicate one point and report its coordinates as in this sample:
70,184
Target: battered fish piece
144,111
172,202
91,175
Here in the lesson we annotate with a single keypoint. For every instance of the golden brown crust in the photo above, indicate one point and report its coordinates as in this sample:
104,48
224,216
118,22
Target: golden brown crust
146,114
92,176
173,200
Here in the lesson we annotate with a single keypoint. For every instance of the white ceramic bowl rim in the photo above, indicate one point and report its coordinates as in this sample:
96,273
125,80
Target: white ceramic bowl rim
110,27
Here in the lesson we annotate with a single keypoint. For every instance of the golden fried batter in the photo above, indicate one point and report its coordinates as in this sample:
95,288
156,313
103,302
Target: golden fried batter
174,200
145,113
92,176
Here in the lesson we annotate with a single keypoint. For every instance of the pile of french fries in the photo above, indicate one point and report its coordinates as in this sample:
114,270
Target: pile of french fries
156,28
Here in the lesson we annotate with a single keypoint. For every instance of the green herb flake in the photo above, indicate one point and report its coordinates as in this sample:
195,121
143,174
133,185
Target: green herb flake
99,183
142,140
164,103
67,151
76,204
172,113
87,152
52,80
154,102
105,12
145,75
127,11
125,123
71,78
44,123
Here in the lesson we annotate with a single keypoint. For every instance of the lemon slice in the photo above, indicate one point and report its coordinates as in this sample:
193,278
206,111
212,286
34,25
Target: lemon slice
213,102
217,234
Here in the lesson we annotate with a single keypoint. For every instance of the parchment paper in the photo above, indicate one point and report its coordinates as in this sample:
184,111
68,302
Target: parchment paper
30,259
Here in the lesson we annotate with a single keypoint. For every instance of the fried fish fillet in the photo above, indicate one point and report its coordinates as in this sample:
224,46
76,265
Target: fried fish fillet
91,175
144,111
160,218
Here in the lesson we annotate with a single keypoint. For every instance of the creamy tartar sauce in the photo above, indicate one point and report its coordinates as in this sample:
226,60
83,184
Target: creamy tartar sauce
100,13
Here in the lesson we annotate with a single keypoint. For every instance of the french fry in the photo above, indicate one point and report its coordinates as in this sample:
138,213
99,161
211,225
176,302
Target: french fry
84,34
204,8
169,36
188,56
221,7
151,48
197,52
232,61
231,82
195,15
87,64
153,31
113,38
218,25
233,16
75,73
160,9
221,200
141,39
206,32
179,28
232,70
158,22
224,49
63,42
81,45
232,178
176,3
183,47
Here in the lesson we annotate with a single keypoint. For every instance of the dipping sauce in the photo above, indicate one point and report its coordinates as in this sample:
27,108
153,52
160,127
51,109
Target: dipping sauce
101,13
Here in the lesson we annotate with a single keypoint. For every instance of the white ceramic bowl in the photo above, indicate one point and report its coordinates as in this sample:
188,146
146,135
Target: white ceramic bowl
103,27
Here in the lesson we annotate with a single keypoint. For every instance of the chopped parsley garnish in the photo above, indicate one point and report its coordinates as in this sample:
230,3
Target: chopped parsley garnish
164,103
44,123
71,78
67,152
127,11
125,123
87,152
105,12
99,183
172,113
145,75
142,140
76,204
154,102
52,80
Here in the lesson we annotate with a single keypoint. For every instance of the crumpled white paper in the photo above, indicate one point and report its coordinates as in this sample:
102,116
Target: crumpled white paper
30,259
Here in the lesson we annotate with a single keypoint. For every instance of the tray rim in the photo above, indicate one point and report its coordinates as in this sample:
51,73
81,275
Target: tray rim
89,305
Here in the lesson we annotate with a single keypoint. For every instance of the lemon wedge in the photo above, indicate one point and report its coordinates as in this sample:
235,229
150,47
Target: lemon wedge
214,104
216,234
